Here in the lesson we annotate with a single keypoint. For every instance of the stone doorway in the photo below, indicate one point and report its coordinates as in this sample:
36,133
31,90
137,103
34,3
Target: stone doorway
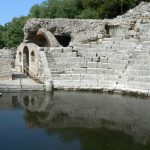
26,60
41,40
63,39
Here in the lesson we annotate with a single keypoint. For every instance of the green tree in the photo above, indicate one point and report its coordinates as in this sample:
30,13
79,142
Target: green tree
35,11
89,13
57,9
2,43
13,31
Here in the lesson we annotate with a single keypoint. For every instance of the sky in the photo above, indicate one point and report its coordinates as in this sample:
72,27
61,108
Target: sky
15,8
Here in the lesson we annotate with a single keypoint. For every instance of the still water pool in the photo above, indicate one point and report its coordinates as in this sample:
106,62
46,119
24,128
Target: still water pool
73,121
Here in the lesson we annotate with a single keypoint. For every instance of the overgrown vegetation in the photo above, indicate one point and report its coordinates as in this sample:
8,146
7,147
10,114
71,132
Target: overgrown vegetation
11,34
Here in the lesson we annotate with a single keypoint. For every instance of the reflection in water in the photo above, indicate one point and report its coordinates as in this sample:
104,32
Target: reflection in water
15,101
32,101
98,121
26,100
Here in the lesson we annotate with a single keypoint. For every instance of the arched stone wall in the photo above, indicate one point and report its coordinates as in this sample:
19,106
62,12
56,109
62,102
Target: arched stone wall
27,58
41,40
20,56
63,39
37,61
44,38
32,56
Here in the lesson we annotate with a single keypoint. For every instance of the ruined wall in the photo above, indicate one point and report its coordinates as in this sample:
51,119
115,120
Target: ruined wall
5,64
37,63
131,24
33,58
102,54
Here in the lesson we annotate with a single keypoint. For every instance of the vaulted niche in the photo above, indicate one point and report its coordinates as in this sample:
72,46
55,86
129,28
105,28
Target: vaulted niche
41,41
63,39
26,60
115,30
107,28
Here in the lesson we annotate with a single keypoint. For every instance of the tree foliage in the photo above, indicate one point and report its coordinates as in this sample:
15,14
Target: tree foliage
57,9
11,34
82,8
2,44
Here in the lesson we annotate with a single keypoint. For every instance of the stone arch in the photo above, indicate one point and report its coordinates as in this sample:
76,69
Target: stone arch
41,40
44,38
26,60
63,39
32,56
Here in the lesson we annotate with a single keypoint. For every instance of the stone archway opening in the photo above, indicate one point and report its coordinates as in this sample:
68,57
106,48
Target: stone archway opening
20,56
107,28
32,56
41,40
26,60
63,39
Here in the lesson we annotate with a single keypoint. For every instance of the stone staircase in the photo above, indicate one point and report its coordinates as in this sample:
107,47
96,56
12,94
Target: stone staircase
138,74
95,65
55,71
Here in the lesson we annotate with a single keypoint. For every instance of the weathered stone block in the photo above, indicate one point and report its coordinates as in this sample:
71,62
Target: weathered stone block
66,76
89,77
79,70
5,64
56,50
101,53
76,76
67,83
93,70
96,59
76,84
92,64
67,49
91,54
103,59
76,48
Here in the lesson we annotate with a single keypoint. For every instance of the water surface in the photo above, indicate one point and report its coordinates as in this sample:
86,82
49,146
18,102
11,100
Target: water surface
73,121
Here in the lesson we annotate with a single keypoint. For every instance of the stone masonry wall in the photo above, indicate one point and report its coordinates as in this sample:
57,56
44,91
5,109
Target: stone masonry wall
131,24
38,67
33,58
5,64
103,54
